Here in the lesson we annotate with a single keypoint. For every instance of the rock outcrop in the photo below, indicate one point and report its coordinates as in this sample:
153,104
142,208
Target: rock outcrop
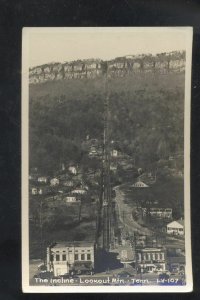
162,63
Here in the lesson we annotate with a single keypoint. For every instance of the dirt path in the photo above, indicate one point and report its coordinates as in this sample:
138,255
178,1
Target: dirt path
125,215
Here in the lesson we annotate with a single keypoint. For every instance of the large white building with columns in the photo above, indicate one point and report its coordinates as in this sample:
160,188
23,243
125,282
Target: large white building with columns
67,257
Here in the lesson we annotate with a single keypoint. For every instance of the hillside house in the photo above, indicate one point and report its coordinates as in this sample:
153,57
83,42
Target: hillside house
43,179
140,184
39,190
176,227
71,199
73,170
71,258
114,153
113,167
79,191
33,177
68,183
157,212
93,153
34,191
54,181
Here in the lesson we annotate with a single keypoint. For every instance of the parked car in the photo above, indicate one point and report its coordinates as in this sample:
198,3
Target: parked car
42,267
44,275
124,274
65,276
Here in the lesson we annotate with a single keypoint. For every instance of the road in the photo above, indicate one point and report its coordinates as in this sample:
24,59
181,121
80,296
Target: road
125,215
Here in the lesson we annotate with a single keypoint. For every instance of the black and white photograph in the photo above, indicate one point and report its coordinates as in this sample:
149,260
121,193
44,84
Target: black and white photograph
106,159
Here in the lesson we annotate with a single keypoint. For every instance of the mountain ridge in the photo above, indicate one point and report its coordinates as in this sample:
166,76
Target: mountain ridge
161,63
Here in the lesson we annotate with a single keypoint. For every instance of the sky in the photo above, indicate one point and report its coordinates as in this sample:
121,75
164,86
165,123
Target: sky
46,45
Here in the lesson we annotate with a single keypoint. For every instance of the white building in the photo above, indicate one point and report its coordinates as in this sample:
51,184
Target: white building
73,170
39,190
114,153
34,191
157,212
79,191
139,184
70,199
176,227
43,179
54,181
151,260
68,183
67,257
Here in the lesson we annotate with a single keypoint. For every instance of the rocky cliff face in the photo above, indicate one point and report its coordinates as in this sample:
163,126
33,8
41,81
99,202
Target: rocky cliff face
162,63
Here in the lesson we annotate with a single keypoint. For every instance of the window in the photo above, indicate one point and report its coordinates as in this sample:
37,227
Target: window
57,257
82,256
156,256
180,229
76,257
88,256
64,257
51,257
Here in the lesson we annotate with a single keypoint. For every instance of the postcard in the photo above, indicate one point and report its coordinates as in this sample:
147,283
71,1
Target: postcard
106,159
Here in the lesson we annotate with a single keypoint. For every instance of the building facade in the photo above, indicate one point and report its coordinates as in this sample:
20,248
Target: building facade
71,257
157,212
151,260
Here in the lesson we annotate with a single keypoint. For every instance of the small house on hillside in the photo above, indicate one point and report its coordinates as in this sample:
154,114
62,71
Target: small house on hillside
73,170
39,190
68,183
34,191
43,179
71,199
139,184
54,181
176,227
79,191
114,153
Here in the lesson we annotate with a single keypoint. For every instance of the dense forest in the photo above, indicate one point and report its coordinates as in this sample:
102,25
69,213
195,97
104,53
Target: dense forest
146,118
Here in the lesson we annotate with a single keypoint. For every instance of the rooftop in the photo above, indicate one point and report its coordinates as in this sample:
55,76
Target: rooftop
73,244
